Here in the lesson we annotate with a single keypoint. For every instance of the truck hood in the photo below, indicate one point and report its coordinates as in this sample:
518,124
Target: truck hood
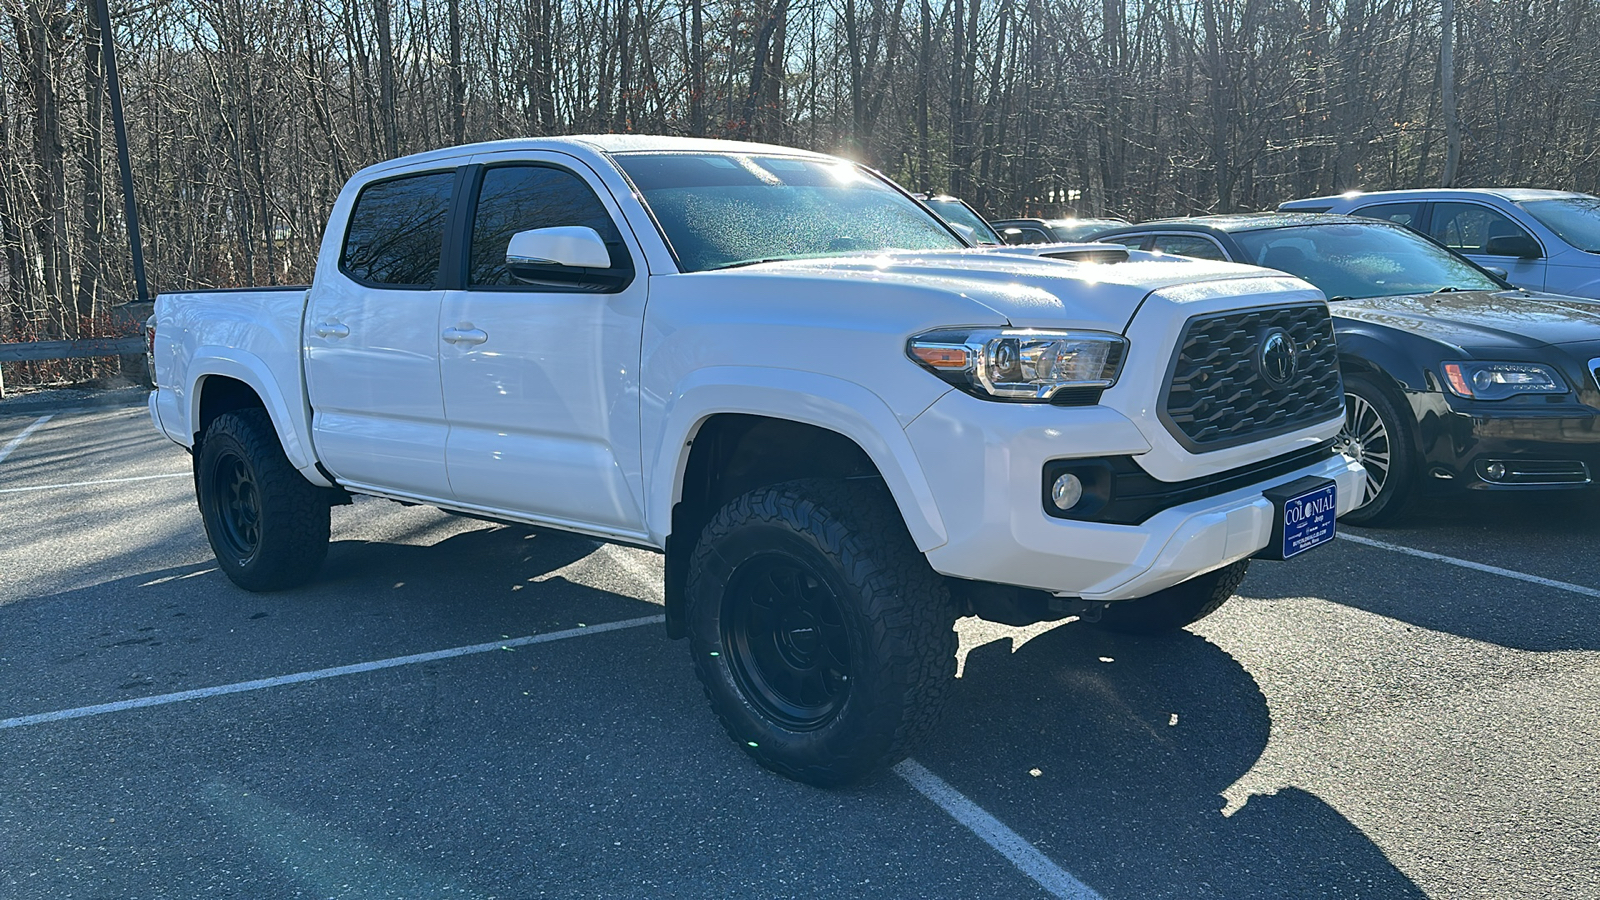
1027,291
1482,319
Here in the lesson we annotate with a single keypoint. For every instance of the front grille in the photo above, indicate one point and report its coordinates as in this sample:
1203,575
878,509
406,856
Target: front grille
1217,395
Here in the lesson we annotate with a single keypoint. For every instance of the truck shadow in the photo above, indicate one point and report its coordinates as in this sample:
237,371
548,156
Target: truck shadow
1132,755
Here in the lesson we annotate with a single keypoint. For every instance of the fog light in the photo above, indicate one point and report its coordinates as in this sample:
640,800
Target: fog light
1495,471
1066,492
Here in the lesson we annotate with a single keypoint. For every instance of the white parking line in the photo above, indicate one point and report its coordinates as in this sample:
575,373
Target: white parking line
1026,857
14,442
1475,566
73,484
319,674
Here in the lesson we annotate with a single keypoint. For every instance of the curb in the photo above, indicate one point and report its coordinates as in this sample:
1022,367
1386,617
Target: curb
68,400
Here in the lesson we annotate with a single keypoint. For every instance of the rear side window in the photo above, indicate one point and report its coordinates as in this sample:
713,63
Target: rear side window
396,233
1026,234
1192,246
1407,214
522,198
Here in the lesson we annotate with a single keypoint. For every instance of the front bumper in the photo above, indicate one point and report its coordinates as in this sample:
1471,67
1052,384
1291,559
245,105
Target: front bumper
984,465
1461,442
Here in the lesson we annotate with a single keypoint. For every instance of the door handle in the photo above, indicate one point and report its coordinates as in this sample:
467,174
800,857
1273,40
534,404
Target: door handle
332,330
467,335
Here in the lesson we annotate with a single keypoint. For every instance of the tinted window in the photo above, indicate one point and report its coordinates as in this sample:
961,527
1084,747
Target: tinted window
1027,235
1361,260
1131,241
1468,227
1407,214
1188,245
396,233
953,210
719,210
522,198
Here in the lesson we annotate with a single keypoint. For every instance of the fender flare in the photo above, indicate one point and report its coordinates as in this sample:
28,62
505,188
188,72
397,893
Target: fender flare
293,426
840,406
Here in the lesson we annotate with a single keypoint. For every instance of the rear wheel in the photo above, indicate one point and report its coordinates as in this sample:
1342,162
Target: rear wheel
1377,436
1177,606
267,525
821,636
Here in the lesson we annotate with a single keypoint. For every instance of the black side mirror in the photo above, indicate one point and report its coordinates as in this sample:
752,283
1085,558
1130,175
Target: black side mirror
1519,245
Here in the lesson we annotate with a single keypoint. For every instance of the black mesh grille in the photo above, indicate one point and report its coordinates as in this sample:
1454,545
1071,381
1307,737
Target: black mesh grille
1217,396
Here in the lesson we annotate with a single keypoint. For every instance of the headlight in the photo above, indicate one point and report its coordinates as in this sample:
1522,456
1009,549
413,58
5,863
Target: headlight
1500,380
1020,363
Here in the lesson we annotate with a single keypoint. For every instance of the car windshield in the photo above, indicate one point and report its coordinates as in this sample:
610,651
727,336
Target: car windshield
1351,260
720,210
1081,229
953,210
1575,219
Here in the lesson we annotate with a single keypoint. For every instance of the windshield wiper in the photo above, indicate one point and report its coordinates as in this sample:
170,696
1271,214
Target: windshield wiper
748,262
1451,289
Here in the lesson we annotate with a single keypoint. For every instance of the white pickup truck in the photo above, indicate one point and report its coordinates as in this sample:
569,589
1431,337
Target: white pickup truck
842,426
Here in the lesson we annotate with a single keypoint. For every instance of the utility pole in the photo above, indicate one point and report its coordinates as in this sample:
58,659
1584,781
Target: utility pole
130,209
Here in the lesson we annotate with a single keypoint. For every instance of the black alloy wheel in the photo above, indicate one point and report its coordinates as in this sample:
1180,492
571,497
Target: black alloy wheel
267,524
237,501
783,631
822,637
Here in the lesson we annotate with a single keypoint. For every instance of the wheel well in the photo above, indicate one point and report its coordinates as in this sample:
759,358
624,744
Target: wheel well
733,454
220,394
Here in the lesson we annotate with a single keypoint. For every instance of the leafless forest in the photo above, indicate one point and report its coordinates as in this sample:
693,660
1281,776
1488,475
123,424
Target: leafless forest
245,116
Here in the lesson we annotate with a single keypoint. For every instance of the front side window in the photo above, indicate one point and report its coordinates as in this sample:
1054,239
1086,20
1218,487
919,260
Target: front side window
523,198
1407,214
1575,219
396,232
1353,260
1468,227
720,210
1189,245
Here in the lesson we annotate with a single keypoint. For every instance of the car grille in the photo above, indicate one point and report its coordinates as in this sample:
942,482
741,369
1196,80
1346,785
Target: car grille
1217,396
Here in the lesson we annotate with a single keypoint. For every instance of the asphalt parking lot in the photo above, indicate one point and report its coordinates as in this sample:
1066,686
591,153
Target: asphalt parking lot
1363,721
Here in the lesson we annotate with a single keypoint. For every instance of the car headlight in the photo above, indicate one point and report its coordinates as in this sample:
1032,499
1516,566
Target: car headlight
1500,380
1020,363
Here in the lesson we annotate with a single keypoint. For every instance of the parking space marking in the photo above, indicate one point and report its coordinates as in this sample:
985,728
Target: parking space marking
17,441
319,674
1475,566
1026,857
73,484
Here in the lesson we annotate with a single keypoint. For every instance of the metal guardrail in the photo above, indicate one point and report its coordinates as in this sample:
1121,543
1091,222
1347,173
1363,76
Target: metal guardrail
131,315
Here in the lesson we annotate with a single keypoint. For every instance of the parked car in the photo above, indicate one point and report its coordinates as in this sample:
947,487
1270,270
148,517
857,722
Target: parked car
841,425
960,213
1052,231
1451,376
1539,240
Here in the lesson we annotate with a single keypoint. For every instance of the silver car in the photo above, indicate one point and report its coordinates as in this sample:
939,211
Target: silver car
1539,240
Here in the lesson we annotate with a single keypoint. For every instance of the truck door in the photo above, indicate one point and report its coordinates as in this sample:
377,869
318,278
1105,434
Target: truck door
541,376
371,339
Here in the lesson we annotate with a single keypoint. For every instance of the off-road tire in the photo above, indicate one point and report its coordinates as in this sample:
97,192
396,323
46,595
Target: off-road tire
267,524
843,542
1366,397
1177,606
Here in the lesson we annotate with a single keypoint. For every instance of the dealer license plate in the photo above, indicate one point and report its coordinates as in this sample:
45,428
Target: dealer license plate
1305,513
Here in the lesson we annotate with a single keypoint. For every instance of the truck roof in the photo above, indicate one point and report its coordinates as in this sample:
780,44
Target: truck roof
591,146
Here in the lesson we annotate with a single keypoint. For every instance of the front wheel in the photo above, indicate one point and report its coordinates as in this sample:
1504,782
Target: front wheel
1176,606
1377,436
822,638
267,525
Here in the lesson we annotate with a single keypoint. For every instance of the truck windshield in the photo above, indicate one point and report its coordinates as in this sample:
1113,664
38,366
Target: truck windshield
1576,219
720,210
1352,261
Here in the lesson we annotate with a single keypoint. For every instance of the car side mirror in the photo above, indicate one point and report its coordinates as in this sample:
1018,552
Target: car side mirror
571,256
1519,245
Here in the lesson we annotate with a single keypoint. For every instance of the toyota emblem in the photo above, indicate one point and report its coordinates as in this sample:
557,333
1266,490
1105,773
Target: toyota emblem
1279,358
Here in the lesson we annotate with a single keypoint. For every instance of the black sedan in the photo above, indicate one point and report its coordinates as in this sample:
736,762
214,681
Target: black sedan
1451,376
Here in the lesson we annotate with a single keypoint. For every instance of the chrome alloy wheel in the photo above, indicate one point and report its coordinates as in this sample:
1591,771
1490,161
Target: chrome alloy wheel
1365,440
